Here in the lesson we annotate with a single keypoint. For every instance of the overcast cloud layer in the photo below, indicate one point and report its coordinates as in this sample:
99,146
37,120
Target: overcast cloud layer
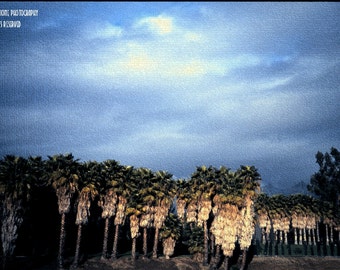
174,85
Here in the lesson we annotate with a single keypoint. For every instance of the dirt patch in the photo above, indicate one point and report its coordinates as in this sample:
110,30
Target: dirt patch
178,263
186,263
294,263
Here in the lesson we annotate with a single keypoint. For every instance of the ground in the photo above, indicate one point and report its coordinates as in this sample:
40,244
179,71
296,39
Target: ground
295,263
186,263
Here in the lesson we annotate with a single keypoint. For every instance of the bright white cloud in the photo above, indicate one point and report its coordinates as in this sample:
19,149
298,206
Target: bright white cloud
194,37
186,54
160,25
156,60
101,30
273,83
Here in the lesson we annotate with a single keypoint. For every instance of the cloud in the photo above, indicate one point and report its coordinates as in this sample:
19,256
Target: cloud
101,30
161,25
176,86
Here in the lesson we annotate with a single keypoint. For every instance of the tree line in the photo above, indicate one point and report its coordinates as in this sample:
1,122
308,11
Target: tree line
209,215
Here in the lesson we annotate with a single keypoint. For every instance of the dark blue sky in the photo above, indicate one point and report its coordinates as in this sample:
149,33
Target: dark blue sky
174,85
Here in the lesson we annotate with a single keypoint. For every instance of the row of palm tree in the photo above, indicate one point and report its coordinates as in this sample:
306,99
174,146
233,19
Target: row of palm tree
121,192
212,211
298,215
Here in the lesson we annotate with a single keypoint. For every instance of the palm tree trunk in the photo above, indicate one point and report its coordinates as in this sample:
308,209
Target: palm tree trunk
263,235
317,232
312,237
145,242
282,237
327,237
155,244
226,263
331,233
106,234
212,244
206,247
296,236
309,237
244,259
62,241
217,257
278,236
76,256
115,243
4,262
301,236
304,236
9,230
133,249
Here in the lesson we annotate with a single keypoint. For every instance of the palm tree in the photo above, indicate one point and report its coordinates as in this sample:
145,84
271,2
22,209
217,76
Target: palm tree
337,229
191,214
108,197
145,222
135,205
313,217
249,178
170,233
204,181
18,177
219,201
182,197
195,242
134,215
164,188
247,229
123,190
262,212
279,214
62,172
305,215
326,214
227,233
146,189
88,186
328,221
227,202
146,179
217,227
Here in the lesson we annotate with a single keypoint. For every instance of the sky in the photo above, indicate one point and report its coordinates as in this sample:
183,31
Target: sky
173,85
